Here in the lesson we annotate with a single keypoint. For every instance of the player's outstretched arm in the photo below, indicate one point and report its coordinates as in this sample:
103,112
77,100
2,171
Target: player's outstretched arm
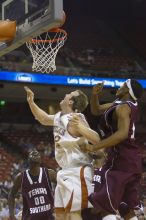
38,113
123,122
12,196
95,106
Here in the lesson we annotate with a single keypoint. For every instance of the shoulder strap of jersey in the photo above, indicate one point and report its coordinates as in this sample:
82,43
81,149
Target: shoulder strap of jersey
47,177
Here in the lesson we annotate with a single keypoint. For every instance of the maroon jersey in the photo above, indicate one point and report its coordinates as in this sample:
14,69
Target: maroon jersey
118,180
37,196
126,156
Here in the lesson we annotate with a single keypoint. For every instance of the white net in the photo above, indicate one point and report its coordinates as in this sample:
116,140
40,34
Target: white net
44,49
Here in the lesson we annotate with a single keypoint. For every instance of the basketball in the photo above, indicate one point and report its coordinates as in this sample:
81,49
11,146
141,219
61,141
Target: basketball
7,30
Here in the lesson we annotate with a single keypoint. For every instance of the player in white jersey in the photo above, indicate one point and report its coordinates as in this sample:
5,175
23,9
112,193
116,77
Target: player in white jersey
67,149
75,178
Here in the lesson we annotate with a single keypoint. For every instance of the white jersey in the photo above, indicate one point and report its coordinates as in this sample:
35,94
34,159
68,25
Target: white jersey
67,148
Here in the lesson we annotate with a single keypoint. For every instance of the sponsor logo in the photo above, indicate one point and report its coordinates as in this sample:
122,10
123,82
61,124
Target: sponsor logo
24,78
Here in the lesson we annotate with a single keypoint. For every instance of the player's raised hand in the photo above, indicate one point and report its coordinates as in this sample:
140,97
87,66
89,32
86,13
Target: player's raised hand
30,94
97,88
75,120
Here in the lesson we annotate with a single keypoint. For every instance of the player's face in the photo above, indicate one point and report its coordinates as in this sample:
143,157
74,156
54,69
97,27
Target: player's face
34,157
122,91
68,98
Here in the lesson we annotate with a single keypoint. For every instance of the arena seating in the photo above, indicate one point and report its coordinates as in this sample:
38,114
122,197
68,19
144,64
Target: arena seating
6,164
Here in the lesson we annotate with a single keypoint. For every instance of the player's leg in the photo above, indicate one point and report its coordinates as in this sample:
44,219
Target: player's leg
82,187
91,214
134,214
128,213
74,216
60,215
72,191
131,208
87,215
125,211
108,197
64,196
109,215
131,216
58,203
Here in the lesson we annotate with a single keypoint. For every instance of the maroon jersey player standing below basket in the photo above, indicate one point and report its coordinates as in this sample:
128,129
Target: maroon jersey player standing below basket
118,180
35,186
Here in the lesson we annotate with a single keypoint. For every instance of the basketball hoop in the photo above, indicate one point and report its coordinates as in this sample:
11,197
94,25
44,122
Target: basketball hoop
44,49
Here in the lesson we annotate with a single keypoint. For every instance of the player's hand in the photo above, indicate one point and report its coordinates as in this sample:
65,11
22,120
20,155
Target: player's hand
75,120
88,148
99,154
30,94
97,88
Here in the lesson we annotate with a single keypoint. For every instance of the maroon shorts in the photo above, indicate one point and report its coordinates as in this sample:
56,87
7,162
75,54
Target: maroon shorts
113,187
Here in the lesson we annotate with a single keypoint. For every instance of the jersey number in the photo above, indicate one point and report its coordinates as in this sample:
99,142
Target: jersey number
39,200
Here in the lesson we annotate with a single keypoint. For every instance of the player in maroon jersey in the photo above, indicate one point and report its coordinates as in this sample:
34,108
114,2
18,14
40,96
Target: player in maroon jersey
36,189
118,180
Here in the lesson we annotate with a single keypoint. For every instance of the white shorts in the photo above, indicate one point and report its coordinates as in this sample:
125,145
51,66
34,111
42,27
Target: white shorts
74,185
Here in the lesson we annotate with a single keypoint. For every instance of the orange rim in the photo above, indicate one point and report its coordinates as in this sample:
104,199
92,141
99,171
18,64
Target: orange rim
55,30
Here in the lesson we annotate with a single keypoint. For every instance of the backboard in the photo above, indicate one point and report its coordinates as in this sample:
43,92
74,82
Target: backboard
33,17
